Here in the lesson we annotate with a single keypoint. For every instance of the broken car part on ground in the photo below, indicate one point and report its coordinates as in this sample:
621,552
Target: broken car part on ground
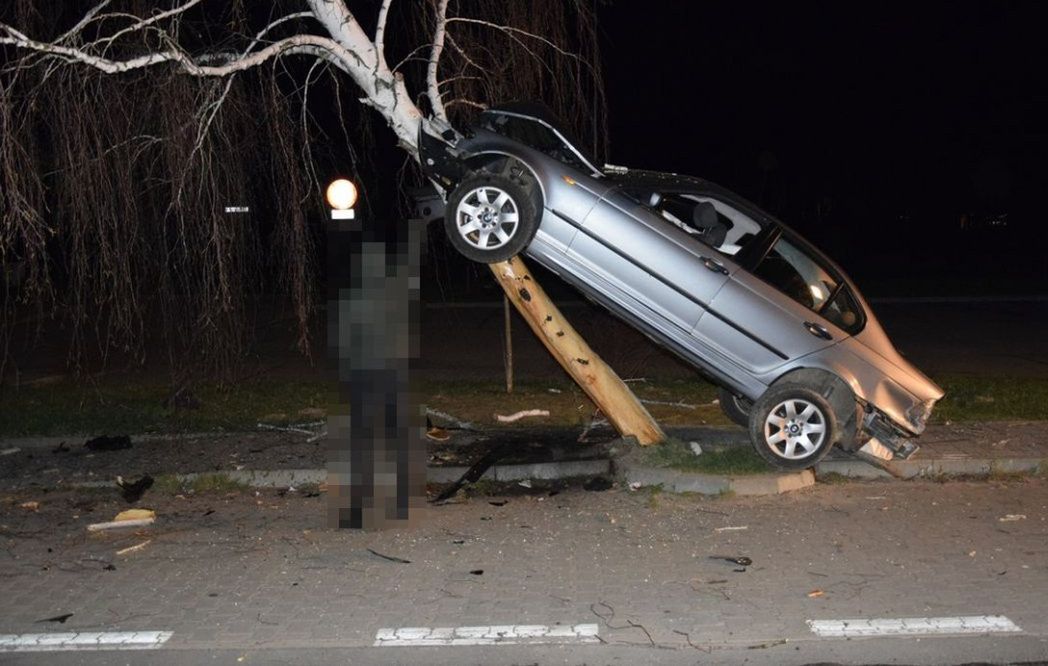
802,360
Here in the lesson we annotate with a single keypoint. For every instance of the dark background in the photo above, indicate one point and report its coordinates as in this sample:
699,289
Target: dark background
907,140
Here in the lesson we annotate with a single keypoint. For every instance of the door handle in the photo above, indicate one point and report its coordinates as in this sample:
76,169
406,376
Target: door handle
817,330
714,265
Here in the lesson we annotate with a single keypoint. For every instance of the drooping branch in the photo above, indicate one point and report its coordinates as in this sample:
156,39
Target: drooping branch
309,44
142,181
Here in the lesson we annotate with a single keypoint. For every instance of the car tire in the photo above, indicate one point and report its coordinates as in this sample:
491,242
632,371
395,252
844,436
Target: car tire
735,408
792,426
491,217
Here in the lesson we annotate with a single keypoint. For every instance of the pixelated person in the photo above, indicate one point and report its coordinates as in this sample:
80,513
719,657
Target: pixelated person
376,462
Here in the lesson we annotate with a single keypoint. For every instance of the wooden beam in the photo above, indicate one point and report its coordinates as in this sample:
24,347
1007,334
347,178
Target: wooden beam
590,372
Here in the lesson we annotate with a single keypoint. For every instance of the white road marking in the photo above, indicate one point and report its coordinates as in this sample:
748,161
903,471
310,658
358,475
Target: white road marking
911,626
83,640
509,634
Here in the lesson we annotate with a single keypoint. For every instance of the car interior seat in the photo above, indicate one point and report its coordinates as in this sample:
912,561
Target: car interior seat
711,230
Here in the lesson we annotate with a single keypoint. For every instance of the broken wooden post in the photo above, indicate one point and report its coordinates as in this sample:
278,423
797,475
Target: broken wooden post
588,370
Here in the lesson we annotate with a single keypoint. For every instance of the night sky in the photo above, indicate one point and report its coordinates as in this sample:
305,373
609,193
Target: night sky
872,130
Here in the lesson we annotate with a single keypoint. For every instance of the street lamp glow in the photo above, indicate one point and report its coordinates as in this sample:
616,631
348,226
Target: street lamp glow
341,194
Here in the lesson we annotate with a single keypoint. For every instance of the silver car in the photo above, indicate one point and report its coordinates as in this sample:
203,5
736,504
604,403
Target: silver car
801,360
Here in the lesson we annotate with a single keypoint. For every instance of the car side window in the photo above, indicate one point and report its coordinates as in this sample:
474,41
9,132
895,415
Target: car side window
802,277
707,220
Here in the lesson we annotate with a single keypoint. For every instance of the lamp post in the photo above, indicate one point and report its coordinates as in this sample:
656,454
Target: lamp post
376,461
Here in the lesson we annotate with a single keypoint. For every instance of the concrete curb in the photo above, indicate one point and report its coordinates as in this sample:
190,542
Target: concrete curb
284,478
937,467
677,481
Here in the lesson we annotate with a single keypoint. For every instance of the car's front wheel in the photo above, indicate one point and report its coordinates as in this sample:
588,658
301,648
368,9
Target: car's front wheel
490,218
792,426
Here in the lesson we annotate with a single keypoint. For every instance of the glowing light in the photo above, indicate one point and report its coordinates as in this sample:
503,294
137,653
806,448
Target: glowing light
341,194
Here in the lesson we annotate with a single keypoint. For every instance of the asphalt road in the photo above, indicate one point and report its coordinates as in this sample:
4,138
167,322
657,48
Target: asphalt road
244,578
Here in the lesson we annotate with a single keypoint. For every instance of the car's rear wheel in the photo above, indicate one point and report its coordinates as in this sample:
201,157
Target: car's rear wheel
490,217
792,426
735,408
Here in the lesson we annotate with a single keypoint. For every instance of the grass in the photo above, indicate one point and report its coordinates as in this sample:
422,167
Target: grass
731,460
135,406
992,399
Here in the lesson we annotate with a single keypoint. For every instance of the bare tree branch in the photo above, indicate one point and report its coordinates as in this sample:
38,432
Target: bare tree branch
432,87
380,32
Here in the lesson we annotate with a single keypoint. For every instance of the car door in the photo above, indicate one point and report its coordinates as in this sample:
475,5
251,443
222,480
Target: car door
650,262
787,303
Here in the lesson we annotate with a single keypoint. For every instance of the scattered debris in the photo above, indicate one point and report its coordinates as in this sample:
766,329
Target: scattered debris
391,558
553,390
60,619
457,423
498,502
526,483
477,572
597,484
458,542
10,451
741,561
695,448
764,646
731,528
129,518
1012,517
596,421
30,506
107,443
877,497
635,485
814,594
516,416
476,471
300,428
667,403
135,514
134,549
133,490
438,434
609,614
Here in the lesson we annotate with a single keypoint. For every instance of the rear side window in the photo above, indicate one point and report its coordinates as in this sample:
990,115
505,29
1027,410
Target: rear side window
804,278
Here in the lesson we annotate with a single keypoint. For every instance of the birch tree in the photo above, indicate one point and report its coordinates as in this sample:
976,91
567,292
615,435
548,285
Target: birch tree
125,125
185,58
